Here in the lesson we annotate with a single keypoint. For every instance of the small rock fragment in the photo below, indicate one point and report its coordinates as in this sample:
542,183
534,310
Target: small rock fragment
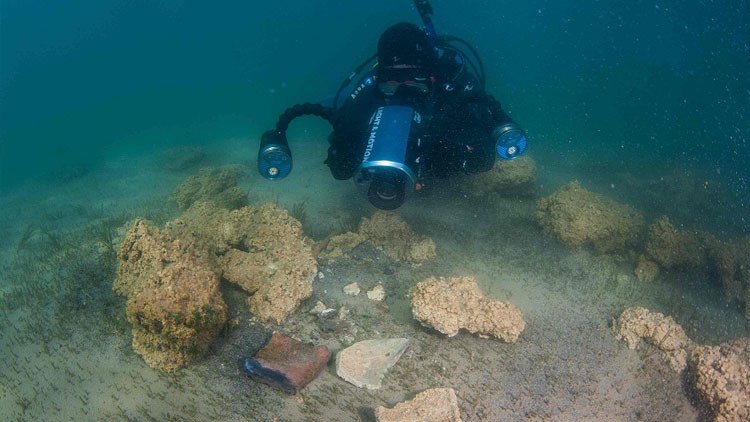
364,364
377,293
434,405
287,363
343,313
352,289
320,309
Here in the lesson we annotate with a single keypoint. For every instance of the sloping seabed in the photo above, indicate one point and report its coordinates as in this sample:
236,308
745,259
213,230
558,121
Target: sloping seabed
66,345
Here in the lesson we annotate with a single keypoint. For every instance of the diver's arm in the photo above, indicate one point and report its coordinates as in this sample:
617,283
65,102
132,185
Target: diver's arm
496,135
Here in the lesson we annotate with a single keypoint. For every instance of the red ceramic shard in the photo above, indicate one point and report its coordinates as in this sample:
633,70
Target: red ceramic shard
287,364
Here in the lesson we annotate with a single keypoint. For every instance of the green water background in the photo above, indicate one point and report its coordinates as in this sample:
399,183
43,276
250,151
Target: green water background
643,87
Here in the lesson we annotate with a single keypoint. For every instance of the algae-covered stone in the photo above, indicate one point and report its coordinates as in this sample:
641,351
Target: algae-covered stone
661,331
721,376
507,177
673,248
581,218
337,246
391,232
263,250
174,303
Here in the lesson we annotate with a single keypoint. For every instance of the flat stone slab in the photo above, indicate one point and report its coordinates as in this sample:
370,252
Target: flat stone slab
364,364
434,405
287,363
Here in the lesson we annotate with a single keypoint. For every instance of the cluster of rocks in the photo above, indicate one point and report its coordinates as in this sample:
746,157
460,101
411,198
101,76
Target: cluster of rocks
579,218
385,230
171,277
669,248
289,365
446,305
719,374
263,250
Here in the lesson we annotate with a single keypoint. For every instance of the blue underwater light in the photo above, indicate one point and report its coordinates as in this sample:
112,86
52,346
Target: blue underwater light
511,141
274,156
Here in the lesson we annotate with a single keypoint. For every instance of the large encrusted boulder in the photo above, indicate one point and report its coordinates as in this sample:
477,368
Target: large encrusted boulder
673,248
449,305
263,250
581,218
174,303
218,185
662,331
721,376
434,405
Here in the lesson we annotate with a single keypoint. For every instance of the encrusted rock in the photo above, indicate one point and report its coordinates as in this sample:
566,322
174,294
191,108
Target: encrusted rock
352,289
387,231
364,364
721,375
320,309
174,302
673,248
287,363
434,405
580,218
661,331
449,305
377,293
263,250
338,245
515,177
391,232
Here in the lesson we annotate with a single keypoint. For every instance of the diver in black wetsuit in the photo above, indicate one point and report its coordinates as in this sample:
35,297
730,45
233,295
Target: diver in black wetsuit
420,113
459,116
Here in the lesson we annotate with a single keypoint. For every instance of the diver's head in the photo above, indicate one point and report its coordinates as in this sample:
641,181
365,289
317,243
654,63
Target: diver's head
405,56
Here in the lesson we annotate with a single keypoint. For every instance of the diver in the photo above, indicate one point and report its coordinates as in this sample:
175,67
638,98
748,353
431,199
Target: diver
420,112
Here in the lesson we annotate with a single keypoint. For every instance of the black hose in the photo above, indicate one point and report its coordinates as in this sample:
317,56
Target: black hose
306,109
477,58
